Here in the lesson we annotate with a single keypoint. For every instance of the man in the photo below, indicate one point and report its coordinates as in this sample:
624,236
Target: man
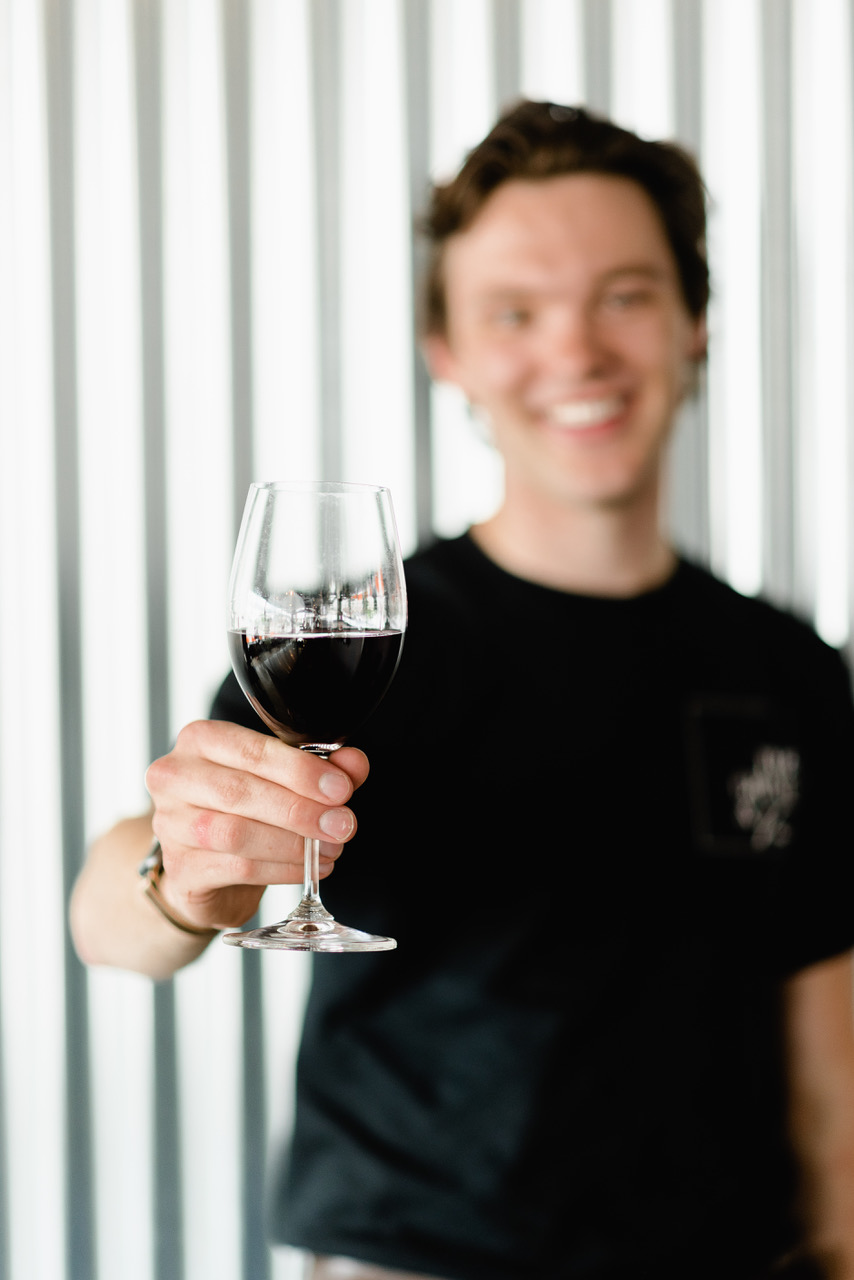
602,817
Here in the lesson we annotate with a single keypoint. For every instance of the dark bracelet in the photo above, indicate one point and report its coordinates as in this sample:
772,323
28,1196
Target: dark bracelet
151,871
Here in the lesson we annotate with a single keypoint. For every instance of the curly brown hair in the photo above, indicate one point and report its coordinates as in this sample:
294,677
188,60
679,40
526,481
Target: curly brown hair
537,140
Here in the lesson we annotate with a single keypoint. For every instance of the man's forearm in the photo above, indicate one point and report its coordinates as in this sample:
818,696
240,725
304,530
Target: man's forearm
113,922
821,1079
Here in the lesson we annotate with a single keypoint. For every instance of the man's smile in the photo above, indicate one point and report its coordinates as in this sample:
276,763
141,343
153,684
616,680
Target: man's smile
585,414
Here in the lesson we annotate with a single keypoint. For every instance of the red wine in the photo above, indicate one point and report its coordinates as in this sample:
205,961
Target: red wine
317,687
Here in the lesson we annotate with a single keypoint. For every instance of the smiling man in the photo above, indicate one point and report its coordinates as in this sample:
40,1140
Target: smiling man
567,325
603,818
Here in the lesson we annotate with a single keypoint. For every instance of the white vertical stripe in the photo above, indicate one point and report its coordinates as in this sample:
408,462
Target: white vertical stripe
552,67
642,80
468,474
285,987
208,1002
732,170
287,443
198,401
198,380
823,208
121,1028
284,991
110,425
112,597
376,300
284,247
462,97
31,910
287,1264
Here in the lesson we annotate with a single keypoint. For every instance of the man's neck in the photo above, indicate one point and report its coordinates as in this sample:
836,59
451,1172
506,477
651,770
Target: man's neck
616,551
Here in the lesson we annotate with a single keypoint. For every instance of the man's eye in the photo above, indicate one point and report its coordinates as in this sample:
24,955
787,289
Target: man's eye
512,317
626,299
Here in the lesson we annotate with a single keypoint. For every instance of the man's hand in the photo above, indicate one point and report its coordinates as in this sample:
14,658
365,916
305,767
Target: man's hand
232,809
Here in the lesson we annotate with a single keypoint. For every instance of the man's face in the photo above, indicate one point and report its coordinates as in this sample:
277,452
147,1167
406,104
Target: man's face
567,326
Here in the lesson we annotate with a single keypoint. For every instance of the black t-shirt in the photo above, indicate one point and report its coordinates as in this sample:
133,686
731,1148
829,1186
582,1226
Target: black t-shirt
602,832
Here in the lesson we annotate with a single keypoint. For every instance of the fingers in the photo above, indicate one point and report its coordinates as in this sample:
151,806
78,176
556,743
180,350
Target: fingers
199,869
222,796
255,753
250,800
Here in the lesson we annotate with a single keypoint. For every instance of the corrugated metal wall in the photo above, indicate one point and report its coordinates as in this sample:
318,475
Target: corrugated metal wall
206,276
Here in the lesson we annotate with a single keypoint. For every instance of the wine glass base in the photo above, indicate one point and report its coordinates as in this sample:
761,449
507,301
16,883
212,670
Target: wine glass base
310,935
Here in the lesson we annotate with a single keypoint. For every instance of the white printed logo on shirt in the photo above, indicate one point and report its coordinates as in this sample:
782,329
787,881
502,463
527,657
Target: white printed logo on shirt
766,795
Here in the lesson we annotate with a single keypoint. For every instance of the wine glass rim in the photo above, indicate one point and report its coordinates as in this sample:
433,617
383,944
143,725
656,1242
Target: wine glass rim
317,486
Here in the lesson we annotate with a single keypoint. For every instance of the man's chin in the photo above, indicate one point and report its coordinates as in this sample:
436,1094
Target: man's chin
613,493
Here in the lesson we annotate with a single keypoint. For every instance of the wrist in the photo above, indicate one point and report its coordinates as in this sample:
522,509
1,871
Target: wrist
151,874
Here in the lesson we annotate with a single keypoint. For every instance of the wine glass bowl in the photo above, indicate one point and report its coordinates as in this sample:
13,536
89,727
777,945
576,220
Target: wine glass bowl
317,613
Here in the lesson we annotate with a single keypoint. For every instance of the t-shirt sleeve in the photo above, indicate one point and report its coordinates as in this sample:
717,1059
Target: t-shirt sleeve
815,907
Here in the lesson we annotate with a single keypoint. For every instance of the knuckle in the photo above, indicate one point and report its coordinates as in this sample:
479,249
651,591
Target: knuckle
174,859
232,789
159,774
220,832
252,750
231,834
241,870
202,829
190,735
299,814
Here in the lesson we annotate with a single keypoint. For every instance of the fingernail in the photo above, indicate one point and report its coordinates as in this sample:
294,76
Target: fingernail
334,786
337,823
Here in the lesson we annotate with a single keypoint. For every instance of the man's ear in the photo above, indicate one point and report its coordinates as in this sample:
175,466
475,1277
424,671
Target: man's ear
700,344
439,358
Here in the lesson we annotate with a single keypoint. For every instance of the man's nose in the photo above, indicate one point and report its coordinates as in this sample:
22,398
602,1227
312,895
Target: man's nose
576,344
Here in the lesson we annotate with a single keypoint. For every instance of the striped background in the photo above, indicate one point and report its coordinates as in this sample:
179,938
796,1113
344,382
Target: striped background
206,277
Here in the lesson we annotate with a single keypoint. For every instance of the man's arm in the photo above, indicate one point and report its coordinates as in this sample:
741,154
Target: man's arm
820,1028
231,810
112,922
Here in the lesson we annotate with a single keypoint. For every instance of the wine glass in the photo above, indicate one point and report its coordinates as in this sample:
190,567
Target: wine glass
316,616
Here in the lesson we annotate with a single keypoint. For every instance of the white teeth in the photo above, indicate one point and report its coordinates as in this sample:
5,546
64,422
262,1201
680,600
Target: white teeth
585,413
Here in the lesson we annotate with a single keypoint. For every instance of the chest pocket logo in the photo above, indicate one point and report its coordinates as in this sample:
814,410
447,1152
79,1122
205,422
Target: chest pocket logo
765,797
745,776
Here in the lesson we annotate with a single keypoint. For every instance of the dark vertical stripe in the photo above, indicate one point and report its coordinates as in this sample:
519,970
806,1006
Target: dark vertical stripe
256,1254
167,1195
688,72
236,18
149,90
59,46
506,23
778,378
325,41
689,505
417,72
597,54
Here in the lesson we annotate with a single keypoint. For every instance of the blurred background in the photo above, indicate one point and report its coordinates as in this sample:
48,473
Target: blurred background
207,277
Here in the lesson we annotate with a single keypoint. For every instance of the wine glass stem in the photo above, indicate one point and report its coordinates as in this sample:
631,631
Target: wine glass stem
311,879
311,908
